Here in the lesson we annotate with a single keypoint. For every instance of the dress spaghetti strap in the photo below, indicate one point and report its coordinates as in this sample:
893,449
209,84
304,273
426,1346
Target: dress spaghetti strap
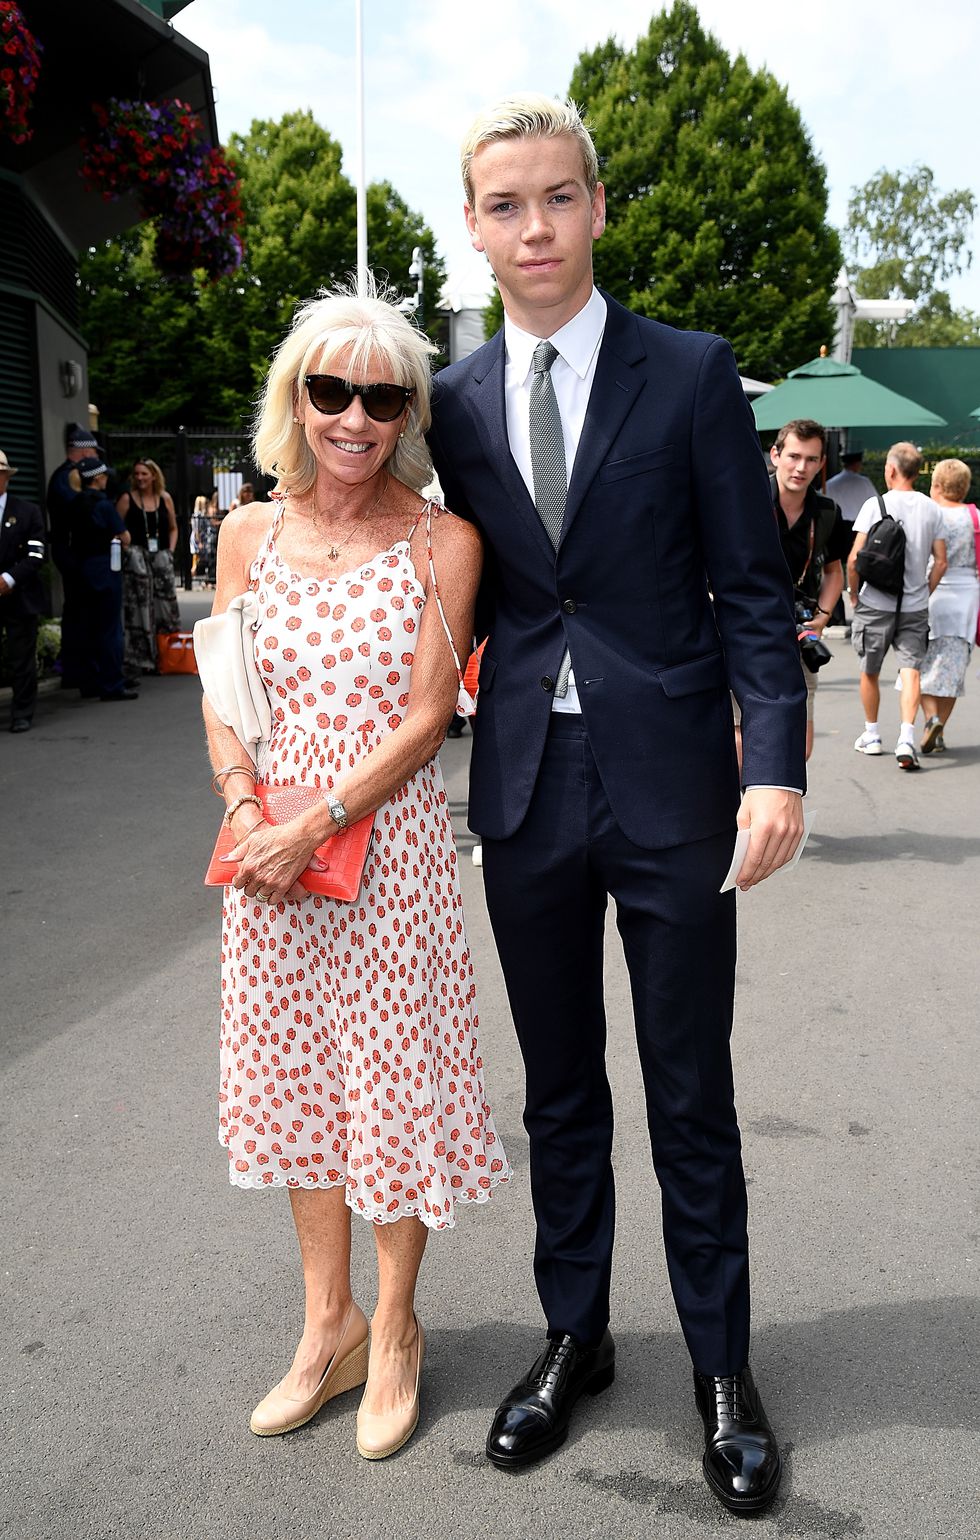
465,704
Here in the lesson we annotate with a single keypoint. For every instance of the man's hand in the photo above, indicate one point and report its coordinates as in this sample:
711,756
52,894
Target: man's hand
4,586
775,820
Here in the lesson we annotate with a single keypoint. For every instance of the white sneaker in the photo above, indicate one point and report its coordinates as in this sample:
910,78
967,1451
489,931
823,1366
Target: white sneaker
868,743
906,755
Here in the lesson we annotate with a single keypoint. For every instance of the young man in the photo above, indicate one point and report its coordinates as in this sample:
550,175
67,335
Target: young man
879,622
633,576
812,534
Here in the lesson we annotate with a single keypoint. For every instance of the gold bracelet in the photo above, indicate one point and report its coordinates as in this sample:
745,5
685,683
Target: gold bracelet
240,802
230,770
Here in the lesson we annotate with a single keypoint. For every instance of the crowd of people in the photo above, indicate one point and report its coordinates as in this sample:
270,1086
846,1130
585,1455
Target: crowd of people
113,542
920,602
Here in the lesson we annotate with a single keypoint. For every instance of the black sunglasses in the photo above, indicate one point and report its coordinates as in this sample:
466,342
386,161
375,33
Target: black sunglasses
331,395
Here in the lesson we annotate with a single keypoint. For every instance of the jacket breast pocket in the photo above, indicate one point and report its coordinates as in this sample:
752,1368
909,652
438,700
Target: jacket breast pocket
637,465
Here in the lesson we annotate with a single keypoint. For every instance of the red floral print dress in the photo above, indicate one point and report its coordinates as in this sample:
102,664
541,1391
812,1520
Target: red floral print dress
348,1039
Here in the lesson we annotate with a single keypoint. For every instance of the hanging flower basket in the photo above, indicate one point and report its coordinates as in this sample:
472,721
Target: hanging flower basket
152,149
20,65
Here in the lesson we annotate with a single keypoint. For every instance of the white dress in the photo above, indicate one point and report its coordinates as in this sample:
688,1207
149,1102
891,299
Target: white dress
348,1042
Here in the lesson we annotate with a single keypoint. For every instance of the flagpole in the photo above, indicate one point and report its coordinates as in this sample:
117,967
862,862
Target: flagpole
362,253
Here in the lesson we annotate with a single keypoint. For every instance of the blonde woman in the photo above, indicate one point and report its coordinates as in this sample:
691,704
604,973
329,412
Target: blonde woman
953,605
349,1067
149,585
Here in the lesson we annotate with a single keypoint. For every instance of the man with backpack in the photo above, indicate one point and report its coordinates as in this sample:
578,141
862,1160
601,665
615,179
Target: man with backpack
894,537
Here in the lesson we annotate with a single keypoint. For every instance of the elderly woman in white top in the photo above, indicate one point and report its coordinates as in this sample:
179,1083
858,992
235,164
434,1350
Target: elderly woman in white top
953,605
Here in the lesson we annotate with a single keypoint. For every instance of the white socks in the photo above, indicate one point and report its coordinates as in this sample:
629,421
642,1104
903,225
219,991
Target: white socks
872,730
906,734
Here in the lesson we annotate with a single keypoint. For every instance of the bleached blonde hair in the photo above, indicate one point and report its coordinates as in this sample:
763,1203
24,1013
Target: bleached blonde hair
375,335
952,478
529,116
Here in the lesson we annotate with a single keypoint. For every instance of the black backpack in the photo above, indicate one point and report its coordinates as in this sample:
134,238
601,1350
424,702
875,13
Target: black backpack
881,560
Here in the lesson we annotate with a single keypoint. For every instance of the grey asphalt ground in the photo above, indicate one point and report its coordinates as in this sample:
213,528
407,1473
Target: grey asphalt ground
147,1305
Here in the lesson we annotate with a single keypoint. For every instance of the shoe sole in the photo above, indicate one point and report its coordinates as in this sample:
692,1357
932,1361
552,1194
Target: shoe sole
744,1504
907,762
599,1382
350,1372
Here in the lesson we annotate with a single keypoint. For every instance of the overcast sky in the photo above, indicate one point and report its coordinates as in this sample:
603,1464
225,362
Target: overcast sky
878,84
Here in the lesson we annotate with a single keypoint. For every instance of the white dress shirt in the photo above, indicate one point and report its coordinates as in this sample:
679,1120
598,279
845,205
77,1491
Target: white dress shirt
572,373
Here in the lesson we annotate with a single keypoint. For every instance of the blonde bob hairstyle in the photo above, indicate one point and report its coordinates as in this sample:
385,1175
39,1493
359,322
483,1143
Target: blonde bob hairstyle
377,340
528,117
952,479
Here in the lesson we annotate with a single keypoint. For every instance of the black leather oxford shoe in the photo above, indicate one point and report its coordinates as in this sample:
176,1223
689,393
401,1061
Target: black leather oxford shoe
533,1419
741,1464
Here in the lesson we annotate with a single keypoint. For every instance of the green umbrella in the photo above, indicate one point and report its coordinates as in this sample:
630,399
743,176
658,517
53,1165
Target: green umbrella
839,396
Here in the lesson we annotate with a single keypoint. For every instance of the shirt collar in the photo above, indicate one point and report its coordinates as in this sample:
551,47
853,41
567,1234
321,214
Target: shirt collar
576,341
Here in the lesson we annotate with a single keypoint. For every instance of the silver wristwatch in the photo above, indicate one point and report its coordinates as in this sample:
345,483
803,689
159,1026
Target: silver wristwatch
337,810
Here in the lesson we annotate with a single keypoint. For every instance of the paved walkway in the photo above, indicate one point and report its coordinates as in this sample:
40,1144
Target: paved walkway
147,1305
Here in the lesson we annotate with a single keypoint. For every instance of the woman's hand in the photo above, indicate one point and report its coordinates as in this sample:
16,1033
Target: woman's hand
270,857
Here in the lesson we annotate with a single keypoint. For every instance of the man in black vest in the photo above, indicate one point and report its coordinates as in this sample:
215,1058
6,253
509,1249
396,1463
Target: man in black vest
21,593
814,539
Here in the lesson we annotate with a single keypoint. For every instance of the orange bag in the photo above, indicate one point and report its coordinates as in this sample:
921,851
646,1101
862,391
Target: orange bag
471,672
175,652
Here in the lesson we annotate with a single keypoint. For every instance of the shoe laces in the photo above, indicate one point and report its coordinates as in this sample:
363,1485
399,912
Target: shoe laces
732,1401
555,1360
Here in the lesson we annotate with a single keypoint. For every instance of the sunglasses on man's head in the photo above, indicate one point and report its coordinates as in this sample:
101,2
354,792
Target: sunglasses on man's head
331,395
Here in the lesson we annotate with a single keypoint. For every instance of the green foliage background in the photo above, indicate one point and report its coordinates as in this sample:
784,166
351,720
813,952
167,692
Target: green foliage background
165,351
716,202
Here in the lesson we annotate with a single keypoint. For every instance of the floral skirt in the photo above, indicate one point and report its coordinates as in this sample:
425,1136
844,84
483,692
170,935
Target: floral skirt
149,605
944,667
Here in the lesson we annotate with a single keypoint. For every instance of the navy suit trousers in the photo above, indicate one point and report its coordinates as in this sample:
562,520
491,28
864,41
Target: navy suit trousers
547,888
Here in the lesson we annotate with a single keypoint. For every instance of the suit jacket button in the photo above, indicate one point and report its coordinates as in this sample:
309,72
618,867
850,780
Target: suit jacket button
547,682
569,606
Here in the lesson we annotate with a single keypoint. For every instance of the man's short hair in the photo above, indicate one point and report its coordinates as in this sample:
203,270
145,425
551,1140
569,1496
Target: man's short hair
852,457
801,428
529,117
906,460
953,478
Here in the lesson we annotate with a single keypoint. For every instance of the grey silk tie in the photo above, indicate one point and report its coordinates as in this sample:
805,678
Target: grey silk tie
548,462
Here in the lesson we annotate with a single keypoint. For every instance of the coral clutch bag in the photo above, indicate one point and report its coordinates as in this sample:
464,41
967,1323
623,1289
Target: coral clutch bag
339,871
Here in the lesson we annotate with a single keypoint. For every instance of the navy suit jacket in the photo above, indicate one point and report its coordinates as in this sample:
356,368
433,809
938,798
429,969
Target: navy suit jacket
668,587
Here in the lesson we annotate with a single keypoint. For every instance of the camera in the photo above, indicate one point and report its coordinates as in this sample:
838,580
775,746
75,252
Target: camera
813,650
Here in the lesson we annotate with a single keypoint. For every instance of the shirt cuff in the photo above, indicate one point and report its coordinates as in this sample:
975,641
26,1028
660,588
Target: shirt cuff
797,789
8,579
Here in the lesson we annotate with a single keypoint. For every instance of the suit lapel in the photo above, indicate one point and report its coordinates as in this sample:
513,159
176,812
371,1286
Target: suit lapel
486,401
615,389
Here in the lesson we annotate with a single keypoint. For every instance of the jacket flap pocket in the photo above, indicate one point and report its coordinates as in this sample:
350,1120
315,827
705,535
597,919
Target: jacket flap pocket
635,465
688,678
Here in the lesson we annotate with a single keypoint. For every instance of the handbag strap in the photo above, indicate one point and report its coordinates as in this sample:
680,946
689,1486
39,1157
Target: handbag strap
435,588
971,509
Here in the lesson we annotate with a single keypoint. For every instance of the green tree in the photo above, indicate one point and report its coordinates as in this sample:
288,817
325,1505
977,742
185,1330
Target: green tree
166,350
903,239
717,203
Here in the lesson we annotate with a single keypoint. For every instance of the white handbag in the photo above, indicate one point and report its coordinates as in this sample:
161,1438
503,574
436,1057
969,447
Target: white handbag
229,674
